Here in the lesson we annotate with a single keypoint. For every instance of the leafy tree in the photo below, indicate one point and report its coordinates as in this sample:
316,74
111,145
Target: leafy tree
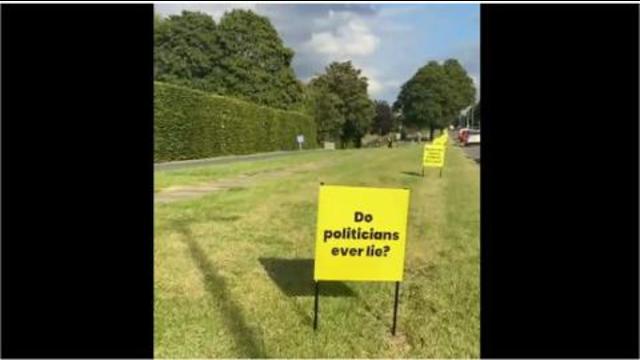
255,64
457,121
350,87
461,92
435,95
186,50
421,98
325,109
242,56
383,120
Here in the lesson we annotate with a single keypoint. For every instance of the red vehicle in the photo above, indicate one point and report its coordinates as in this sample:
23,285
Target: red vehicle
462,133
471,136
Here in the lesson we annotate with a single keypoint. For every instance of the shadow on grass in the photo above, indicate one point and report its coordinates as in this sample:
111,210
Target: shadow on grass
295,278
412,173
243,336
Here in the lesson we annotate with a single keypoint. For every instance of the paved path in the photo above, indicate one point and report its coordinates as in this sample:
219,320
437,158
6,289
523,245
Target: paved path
172,165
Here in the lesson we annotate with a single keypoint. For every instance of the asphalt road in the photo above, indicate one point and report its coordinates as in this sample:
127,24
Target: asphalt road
473,152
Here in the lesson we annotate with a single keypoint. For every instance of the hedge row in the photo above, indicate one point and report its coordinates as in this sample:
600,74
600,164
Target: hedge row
190,124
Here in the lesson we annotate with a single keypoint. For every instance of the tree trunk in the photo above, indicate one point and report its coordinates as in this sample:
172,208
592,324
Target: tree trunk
431,133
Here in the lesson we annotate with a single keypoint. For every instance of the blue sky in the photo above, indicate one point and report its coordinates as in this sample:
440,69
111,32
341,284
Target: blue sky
389,42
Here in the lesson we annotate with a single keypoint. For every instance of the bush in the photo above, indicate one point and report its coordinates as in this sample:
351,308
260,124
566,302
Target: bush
190,124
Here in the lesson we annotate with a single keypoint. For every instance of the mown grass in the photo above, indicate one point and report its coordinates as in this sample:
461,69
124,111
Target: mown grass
233,269
164,179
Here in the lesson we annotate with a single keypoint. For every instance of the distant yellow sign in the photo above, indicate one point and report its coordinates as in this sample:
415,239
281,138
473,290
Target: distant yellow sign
440,141
361,233
433,155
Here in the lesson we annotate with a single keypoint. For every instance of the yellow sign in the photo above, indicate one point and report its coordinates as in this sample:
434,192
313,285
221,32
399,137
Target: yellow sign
361,233
433,155
440,141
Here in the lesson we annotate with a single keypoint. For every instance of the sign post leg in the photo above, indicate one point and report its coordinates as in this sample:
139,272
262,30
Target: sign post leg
423,171
315,311
440,171
395,309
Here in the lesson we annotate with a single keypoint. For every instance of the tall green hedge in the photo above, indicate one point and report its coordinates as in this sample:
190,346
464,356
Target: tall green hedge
190,124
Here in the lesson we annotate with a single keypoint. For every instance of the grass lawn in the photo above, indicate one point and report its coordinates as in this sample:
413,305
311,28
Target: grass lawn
233,269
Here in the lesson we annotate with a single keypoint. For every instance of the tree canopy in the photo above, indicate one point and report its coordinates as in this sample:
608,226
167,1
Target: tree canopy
325,109
383,121
344,81
435,95
186,50
242,56
255,63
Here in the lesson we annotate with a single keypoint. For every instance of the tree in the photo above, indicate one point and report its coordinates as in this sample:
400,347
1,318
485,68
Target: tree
383,120
242,56
255,63
325,109
350,88
461,92
435,95
186,50
421,98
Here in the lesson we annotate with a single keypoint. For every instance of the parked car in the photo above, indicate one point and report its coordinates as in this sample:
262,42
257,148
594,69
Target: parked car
461,134
471,136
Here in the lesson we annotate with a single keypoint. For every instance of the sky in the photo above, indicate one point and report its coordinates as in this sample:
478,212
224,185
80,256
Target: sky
389,42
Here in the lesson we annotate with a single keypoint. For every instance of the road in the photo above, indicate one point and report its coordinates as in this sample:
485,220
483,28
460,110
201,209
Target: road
473,152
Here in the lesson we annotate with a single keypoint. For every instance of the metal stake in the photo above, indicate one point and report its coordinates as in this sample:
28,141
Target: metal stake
315,312
395,309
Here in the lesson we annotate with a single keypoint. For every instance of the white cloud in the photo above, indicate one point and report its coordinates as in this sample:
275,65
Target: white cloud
395,11
374,87
350,38
377,84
